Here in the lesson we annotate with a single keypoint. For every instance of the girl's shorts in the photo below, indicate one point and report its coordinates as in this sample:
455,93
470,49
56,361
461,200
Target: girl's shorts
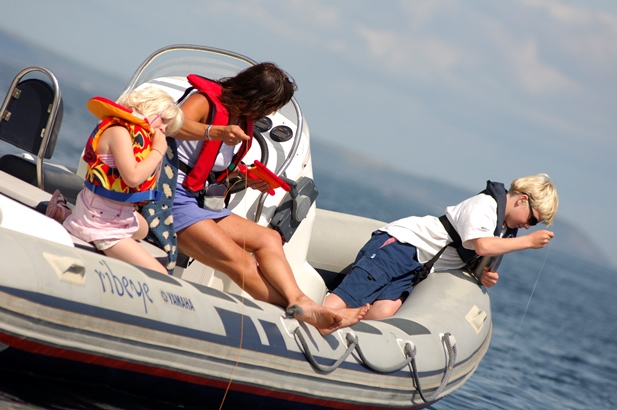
101,221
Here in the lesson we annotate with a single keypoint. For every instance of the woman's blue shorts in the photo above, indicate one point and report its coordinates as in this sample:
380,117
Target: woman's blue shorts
187,212
383,270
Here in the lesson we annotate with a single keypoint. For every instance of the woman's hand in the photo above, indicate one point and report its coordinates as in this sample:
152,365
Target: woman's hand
229,134
259,185
246,182
489,277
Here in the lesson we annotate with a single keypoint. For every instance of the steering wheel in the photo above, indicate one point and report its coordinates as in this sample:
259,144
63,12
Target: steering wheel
238,184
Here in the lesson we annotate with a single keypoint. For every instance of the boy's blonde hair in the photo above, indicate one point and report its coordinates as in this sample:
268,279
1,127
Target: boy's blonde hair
542,195
154,101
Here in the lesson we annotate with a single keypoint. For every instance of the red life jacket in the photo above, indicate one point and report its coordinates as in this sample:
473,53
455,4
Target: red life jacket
104,180
198,175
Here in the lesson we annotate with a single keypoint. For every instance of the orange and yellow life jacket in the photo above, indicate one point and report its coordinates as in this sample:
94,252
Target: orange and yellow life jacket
104,180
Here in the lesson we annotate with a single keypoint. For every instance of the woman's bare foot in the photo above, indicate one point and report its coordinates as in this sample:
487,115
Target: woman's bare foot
305,310
350,316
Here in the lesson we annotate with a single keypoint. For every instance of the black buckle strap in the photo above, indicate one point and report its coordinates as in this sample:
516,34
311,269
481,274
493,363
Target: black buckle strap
456,239
183,166
423,272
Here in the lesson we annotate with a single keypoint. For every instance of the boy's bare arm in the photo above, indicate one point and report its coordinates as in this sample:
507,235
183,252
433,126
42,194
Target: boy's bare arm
494,246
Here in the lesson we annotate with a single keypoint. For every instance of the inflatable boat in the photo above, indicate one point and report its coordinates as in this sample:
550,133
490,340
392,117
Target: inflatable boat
196,339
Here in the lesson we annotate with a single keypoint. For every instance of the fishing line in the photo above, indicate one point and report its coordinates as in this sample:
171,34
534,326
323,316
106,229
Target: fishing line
233,372
526,308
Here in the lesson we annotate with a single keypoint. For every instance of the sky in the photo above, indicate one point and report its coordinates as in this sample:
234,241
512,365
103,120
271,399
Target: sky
459,91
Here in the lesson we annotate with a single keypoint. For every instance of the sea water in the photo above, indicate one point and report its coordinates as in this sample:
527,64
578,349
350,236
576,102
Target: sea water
554,344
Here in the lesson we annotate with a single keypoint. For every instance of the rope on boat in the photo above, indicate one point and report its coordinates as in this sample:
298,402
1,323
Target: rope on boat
446,377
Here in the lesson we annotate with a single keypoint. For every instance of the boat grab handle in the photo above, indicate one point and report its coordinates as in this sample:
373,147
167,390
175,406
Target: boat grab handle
410,356
353,344
410,359
451,349
311,359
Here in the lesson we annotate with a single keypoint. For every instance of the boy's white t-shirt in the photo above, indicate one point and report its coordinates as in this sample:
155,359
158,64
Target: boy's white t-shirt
473,218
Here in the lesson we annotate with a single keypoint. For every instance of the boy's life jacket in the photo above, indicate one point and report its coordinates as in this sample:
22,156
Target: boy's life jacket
499,193
219,115
496,190
104,180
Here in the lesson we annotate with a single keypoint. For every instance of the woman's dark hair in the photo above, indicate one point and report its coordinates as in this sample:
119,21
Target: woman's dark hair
257,91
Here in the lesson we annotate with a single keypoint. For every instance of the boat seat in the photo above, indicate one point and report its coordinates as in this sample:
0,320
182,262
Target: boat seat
54,176
349,232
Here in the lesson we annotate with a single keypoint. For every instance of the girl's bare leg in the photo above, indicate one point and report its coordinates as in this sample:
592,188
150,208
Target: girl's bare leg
131,251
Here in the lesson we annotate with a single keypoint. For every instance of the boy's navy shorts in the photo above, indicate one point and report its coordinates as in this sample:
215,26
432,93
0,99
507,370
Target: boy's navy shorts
383,270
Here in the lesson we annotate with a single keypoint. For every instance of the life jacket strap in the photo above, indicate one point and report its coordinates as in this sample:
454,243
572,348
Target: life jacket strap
423,272
134,197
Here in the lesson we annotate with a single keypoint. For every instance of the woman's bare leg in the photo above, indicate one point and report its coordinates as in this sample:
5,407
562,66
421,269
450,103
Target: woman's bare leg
225,245
207,242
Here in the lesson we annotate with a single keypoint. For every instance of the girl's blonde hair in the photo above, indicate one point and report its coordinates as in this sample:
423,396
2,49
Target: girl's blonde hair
542,195
154,101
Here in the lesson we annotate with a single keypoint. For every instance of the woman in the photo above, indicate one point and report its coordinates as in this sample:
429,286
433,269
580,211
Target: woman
217,118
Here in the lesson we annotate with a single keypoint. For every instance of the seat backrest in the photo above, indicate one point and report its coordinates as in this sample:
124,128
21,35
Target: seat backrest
25,119
31,116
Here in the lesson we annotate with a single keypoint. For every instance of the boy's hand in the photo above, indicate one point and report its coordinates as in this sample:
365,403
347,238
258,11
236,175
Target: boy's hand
489,277
539,239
